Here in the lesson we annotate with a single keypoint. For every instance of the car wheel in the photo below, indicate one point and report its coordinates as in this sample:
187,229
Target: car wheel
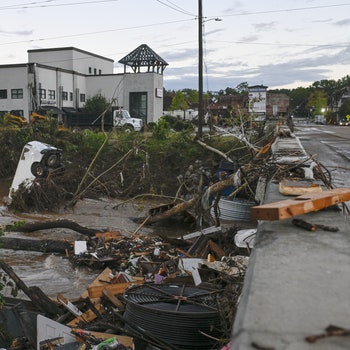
38,170
128,128
52,160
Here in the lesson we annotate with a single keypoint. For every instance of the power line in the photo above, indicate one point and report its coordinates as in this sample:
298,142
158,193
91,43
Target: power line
36,4
284,10
172,22
24,5
97,32
345,44
175,7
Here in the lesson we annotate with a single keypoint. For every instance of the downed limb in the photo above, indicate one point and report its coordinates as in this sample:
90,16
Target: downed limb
215,151
185,206
330,331
39,225
37,245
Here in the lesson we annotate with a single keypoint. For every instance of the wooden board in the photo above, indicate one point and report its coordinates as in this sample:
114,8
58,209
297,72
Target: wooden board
300,205
105,275
113,299
298,188
86,317
108,236
116,288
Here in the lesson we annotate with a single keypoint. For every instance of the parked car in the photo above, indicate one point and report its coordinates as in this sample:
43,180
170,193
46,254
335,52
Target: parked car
344,122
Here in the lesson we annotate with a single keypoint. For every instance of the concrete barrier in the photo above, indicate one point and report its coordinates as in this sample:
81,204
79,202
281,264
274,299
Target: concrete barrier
297,282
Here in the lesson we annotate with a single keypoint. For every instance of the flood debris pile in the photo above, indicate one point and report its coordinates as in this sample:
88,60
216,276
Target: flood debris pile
166,293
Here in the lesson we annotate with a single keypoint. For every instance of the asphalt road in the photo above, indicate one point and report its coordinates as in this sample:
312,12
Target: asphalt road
331,146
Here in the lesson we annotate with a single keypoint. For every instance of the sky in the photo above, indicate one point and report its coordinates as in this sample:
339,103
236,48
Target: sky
280,44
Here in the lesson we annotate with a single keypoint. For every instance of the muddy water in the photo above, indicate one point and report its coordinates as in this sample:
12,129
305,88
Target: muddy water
53,273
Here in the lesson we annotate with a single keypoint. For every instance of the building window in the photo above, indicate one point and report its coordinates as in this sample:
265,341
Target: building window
90,70
52,94
42,93
99,71
64,95
95,71
82,97
3,94
138,105
71,96
16,94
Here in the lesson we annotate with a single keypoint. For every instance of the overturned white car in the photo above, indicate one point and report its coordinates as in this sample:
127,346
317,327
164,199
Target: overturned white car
38,159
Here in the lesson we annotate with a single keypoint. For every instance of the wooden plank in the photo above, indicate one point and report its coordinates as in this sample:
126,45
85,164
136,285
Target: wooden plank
86,317
113,299
298,188
109,235
300,205
105,275
116,288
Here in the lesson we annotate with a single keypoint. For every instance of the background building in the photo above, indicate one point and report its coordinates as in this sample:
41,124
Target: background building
257,100
63,78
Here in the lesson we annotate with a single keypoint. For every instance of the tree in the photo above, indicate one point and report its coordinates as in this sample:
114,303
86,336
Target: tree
97,104
344,110
242,88
317,100
179,102
298,101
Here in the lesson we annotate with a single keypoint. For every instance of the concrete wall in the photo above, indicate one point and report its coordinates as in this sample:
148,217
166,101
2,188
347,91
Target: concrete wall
72,59
14,77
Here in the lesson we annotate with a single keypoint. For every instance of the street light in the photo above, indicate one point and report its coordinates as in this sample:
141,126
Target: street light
200,67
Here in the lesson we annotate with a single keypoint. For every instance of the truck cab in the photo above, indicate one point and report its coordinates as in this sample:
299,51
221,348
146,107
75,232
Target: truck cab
122,119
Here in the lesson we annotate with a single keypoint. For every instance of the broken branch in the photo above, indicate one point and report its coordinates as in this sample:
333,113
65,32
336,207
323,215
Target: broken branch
330,331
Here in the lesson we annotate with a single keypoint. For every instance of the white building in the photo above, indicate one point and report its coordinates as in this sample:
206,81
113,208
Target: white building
63,78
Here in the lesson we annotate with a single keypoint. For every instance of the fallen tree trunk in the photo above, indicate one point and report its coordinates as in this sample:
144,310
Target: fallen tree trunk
183,206
44,225
36,245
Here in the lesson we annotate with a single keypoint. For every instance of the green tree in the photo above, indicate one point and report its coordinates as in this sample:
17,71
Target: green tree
328,86
344,110
192,96
317,100
242,88
299,101
179,102
97,104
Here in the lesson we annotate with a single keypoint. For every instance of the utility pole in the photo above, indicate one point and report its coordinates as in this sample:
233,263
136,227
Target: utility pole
200,70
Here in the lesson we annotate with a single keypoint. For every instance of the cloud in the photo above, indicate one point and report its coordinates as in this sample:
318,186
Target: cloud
344,22
231,73
260,27
249,39
17,32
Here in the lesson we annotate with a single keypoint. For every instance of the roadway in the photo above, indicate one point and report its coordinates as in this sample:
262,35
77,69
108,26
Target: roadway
330,144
